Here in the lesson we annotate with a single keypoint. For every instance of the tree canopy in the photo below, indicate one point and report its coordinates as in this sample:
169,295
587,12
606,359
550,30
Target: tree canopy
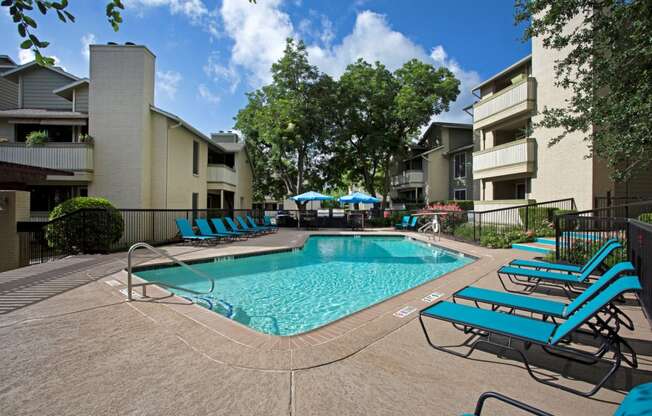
608,70
308,131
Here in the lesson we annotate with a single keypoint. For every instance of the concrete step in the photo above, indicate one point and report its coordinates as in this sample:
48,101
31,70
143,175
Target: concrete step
533,247
545,240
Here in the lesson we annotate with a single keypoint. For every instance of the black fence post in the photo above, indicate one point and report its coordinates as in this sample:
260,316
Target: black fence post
527,219
557,236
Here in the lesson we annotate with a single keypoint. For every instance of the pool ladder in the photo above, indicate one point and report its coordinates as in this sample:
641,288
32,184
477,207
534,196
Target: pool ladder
160,253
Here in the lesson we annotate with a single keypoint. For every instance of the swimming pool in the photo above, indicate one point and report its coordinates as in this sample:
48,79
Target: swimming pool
293,292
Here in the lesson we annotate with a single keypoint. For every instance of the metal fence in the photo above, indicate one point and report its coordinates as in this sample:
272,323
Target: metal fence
640,254
79,231
610,201
473,225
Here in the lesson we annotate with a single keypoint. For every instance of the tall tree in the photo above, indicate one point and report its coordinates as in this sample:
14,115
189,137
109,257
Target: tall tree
287,126
380,112
607,70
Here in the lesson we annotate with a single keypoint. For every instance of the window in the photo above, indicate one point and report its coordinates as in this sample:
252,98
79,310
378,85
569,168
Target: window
227,159
195,158
459,194
459,162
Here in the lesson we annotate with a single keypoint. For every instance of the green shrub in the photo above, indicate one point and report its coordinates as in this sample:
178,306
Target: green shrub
90,231
504,239
581,251
36,138
464,232
537,217
646,217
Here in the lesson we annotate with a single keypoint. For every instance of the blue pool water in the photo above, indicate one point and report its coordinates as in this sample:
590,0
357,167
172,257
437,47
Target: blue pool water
293,292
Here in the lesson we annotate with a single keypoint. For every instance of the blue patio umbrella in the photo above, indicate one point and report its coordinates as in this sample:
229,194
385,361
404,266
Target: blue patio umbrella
311,196
307,197
358,198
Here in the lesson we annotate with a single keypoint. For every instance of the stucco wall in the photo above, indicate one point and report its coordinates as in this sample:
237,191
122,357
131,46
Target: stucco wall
121,92
562,170
181,182
437,175
244,186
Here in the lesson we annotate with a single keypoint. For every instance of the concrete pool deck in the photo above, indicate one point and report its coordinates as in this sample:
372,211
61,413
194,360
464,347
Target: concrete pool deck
73,345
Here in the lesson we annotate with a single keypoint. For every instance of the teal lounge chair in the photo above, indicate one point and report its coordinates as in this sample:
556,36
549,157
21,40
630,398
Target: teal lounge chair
205,230
413,223
189,236
237,229
268,222
404,223
530,279
243,224
571,268
550,336
219,226
550,308
637,402
257,227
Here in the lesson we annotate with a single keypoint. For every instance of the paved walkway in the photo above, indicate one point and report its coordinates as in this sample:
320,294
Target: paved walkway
72,345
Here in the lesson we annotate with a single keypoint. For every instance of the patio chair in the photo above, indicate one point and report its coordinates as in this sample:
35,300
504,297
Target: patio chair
189,236
262,228
572,268
267,221
637,402
243,224
405,221
550,308
551,337
413,223
221,228
237,229
530,279
205,229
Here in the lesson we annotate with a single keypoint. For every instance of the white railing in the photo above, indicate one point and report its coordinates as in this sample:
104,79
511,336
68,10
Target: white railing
520,151
61,156
221,173
503,100
414,177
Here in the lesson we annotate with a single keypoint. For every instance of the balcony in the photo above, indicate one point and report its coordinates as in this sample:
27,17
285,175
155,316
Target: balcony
408,179
76,157
221,174
517,157
515,100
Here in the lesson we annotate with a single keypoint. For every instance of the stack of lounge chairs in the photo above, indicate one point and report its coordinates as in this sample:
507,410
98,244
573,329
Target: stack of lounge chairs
241,228
505,319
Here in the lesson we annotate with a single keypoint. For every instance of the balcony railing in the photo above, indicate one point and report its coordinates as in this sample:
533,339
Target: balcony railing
506,103
61,156
221,174
408,178
507,159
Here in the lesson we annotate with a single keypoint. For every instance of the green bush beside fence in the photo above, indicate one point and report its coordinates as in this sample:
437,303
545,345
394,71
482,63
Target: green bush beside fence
91,231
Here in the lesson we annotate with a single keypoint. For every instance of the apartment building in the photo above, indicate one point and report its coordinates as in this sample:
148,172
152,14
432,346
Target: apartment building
439,166
107,132
513,162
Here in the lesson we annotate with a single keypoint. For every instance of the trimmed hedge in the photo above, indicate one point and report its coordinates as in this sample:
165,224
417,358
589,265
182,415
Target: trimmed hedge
86,231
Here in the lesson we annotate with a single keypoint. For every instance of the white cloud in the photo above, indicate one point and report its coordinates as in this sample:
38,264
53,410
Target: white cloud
87,40
194,9
27,55
206,94
259,32
219,72
167,82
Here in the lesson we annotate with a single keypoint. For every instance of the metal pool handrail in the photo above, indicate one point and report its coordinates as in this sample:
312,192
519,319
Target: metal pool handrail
161,253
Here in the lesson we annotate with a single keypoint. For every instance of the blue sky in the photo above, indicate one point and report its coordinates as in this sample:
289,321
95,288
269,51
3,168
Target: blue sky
210,52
